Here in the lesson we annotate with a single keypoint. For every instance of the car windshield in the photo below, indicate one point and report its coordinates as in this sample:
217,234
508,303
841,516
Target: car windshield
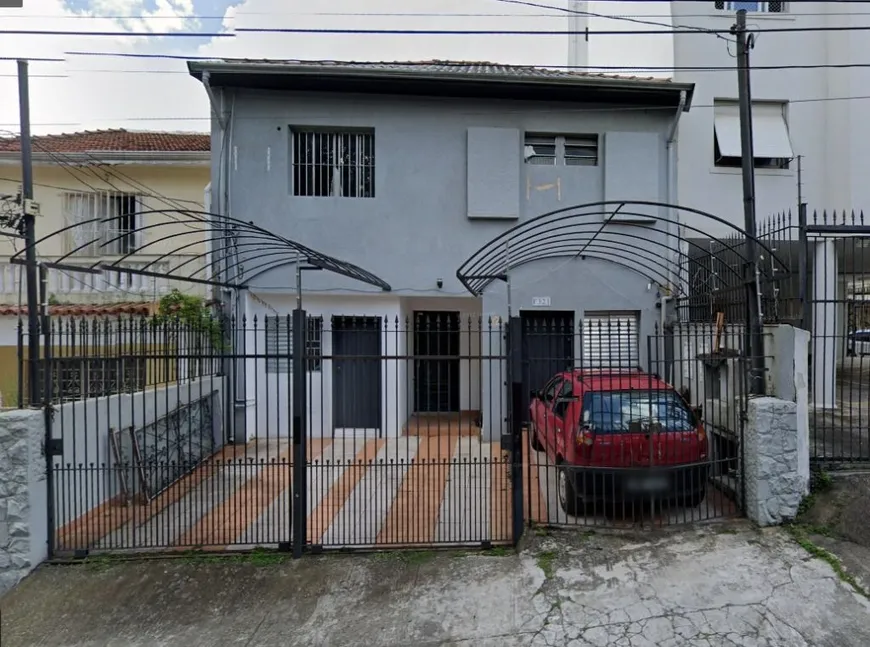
612,412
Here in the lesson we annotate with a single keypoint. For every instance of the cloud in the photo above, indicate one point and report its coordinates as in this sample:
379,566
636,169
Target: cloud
155,94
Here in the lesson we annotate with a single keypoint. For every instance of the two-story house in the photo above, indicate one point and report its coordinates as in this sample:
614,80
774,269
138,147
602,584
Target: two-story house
143,181
406,170
808,92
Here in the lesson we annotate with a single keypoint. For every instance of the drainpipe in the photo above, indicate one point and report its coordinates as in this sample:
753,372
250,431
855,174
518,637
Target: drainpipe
672,178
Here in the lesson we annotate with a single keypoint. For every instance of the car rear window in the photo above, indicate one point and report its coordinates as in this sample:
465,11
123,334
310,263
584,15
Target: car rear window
613,412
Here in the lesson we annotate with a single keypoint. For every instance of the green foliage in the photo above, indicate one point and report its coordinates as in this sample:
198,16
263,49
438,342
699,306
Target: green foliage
191,315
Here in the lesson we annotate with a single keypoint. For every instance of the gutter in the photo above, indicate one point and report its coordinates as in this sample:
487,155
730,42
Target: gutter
212,100
672,188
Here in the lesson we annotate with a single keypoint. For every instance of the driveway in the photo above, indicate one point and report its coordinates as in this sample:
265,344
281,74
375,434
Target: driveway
718,585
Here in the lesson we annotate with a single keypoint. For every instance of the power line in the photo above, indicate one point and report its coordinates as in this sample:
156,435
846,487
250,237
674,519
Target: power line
421,32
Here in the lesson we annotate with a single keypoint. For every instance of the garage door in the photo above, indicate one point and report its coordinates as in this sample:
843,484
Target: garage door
611,340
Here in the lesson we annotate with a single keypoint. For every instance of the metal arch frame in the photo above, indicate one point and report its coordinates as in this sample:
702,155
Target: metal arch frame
221,227
529,242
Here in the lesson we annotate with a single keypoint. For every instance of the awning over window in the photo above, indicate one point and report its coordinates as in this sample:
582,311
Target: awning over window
769,130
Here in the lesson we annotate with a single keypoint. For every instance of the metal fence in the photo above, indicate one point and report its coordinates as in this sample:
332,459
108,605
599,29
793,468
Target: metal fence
397,441
633,431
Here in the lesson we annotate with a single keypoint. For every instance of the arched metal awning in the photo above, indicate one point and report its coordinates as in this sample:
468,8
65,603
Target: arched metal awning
617,231
237,249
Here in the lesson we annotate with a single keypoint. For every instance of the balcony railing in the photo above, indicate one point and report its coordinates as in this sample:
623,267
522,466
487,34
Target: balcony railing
109,286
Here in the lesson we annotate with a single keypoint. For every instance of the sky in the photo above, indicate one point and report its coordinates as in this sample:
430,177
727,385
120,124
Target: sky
88,92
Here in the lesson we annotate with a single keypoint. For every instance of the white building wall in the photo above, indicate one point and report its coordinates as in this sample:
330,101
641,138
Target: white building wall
826,128
269,399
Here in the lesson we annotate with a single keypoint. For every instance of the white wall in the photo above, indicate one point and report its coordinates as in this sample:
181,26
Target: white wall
269,401
829,132
85,477
270,396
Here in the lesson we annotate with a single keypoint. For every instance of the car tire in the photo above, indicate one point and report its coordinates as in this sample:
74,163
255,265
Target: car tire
568,499
534,441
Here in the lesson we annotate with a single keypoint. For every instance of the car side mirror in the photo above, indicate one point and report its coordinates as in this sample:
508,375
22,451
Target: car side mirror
535,393
698,412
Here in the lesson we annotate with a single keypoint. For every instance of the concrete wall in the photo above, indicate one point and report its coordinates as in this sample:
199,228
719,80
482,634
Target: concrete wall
86,478
772,467
418,228
23,495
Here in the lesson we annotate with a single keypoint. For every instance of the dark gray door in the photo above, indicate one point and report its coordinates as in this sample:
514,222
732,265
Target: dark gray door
547,347
356,372
436,362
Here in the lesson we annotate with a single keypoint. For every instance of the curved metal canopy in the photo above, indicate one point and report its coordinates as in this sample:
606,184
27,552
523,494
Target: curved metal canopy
235,244
593,231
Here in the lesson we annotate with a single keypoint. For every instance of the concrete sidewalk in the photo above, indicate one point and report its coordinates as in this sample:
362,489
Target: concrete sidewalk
722,585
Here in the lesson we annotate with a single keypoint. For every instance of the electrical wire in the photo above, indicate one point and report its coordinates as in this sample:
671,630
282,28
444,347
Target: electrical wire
357,31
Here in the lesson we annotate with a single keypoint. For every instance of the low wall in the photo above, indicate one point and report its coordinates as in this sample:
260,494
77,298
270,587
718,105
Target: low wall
23,495
95,432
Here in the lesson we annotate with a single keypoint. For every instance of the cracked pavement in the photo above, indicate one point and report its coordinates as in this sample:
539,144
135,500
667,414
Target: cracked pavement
718,585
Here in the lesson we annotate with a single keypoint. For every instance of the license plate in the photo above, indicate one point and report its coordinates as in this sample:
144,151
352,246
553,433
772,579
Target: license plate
646,484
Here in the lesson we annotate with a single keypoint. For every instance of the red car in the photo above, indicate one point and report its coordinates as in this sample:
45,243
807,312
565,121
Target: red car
619,436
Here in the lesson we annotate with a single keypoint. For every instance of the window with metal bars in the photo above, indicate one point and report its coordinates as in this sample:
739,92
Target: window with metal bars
758,7
561,150
118,234
279,344
331,163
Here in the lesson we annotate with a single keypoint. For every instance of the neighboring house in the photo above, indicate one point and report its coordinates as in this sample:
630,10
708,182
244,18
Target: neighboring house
406,170
109,173
799,107
98,174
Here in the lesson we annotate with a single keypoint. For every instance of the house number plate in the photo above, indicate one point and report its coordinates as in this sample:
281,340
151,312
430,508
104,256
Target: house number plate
541,302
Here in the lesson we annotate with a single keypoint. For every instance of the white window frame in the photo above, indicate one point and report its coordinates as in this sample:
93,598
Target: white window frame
98,240
761,7
561,146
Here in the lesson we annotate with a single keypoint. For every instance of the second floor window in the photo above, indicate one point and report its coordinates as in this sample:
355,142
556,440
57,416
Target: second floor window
117,235
561,150
762,7
331,163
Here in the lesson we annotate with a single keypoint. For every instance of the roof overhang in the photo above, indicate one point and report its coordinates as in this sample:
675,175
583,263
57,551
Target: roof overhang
143,158
254,75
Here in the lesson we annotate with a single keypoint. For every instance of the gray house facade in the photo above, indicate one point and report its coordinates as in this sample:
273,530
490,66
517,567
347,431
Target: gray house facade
407,170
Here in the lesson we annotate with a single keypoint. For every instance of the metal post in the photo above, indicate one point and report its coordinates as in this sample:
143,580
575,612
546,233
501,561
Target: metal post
803,269
29,234
48,412
512,441
299,427
755,335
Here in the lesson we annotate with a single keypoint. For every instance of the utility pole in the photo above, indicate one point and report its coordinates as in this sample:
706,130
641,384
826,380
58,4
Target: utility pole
29,225
755,334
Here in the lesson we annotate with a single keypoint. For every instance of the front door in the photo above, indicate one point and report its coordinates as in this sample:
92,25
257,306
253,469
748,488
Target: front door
547,347
436,362
356,372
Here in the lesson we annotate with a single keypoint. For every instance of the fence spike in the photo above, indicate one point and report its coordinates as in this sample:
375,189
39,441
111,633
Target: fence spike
862,217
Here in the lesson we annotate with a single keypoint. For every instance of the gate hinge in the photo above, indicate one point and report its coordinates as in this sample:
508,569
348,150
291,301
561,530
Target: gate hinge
55,447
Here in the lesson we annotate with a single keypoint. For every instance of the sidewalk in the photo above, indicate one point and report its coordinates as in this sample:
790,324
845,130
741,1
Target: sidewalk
721,585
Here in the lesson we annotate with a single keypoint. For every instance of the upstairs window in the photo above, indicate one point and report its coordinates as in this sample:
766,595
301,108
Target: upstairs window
771,142
756,7
561,150
333,163
117,235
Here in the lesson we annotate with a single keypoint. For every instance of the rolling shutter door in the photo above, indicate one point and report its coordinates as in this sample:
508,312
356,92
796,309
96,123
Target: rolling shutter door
611,340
